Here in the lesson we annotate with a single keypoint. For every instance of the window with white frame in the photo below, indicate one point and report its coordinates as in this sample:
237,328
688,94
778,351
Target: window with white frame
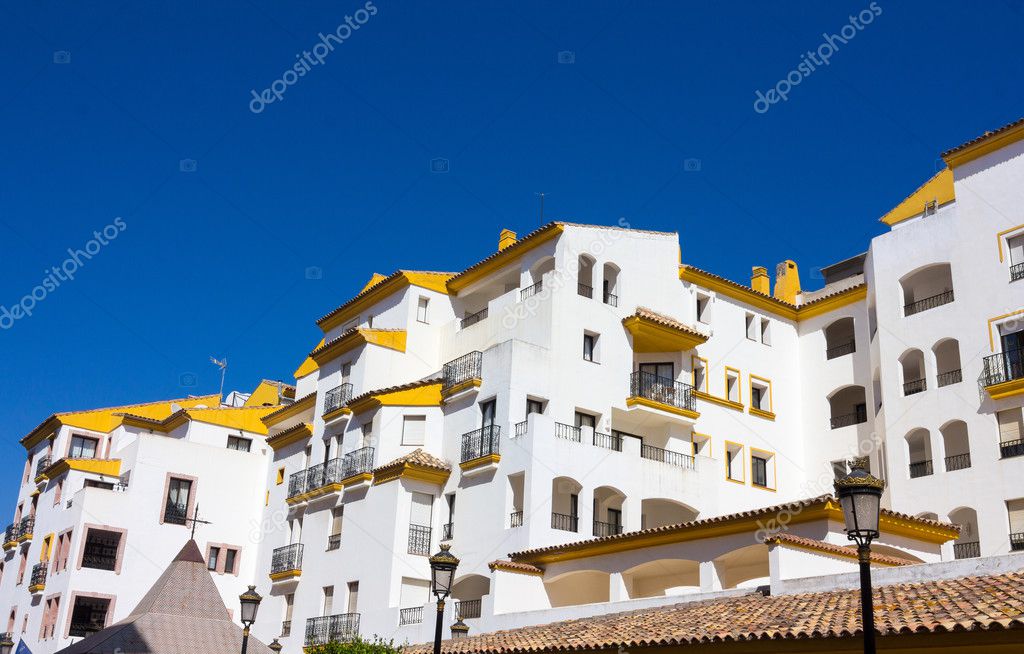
422,308
732,385
239,443
761,394
751,327
83,447
734,462
704,308
766,332
414,430
589,346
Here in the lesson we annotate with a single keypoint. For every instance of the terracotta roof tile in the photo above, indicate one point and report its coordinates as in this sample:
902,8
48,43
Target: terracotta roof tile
513,566
417,457
832,548
666,321
394,389
998,130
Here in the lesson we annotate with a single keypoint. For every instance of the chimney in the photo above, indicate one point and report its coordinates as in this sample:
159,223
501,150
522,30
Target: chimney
787,282
759,280
506,238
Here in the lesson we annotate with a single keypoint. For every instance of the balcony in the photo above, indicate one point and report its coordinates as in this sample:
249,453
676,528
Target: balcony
948,378
1016,272
585,290
331,629
841,350
920,469
568,432
914,387
515,519
966,550
336,399
286,562
448,531
857,417
37,582
11,537
1003,374
413,615
958,462
520,429
602,529
419,540
333,542
473,318
286,628
608,441
467,609
927,303
480,449
42,465
25,528
462,374
1017,542
565,522
1007,449
662,394
530,291
667,456
611,299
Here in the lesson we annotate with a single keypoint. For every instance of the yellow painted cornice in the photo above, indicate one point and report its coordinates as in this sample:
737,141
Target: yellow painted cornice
661,406
285,574
767,415
652,336
393,339
107,467
985,144
480,461
458,388
504,257
939,188
720,401
419,394
296,408
381,289
1006,389
409,470
296,434
832,302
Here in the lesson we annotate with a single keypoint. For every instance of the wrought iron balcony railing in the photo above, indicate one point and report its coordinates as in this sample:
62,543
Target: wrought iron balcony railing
284,559
927,303
176,514
25,529
1003,367
38,578
608,441
662,389
333,542
841,350
947,378
1017,542
584,290
473,318
337,397
958,462
565,522
966,550
286,628
914,387
356,462
468,366
666,456
467,609
448,531
1016,272
11,533
331,628
481,442
43,464
859,415
419,540
568,432
530,291
606,529
611,299
1013,448
412,615
520,429
516,519
920,469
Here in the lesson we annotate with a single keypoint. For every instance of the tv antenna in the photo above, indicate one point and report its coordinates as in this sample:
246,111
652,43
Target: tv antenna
223,365
541,194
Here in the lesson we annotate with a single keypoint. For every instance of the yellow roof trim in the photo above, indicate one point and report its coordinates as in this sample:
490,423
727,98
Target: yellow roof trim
411,470
308,366
296,408
833,302
737,292
375,278
424,395
652,336
939,187
394,339
384,287
108,467
502,258
985,144
296,434
266,394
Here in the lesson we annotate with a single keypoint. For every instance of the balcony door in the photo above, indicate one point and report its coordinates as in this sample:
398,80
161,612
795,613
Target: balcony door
488,413
663,371
1013,354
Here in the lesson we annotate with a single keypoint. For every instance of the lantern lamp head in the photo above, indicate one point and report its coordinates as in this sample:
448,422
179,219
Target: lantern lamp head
250,601
460,629
860,495
442,571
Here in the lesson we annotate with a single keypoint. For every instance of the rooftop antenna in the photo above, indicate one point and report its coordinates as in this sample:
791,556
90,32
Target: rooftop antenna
541,194
223,365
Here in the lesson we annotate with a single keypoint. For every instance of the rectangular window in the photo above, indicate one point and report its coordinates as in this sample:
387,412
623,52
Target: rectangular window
766,332
334,535
585,420
700,444
280,476
759,471
1010,427
589,346
83,447
703,308
663,373
700,374
1015,245
1015,510
179,492
289,607
488,413
327,608
734,462
211,560
414,430
230,559
732,385
353,596
346,372
534,406
101,549
105,485
421,310
839,469
88,615
760,393
239,443
751,327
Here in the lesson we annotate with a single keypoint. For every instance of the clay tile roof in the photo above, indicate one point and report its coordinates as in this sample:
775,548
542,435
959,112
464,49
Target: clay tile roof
738,286
378,284
395,389
417,457
967,604
787,538
986,135
513,566
667,321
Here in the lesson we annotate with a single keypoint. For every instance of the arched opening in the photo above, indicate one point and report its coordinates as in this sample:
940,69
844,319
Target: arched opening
608,503
912,369
839,339
585,276
578,587
889,550
662,577
956,444
927,288
919,453
565,504
847,406
610,284
746,567
947,362
468,593
927,515
968,545
537,272
659,512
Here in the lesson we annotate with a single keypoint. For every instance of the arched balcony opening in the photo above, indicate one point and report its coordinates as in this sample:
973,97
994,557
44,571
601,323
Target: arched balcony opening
746,567
662,577
578,587
585,275
947,362
840,339
468,592
660,512
565,504
919,453
957,445
912,371
927,288
610,284
537,272
968,545
847,406
608,503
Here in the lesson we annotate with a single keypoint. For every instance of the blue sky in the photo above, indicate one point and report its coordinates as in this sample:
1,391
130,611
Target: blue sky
104,108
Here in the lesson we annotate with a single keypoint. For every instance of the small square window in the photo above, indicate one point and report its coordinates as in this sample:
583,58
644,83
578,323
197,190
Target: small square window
240,444
83,447
414,430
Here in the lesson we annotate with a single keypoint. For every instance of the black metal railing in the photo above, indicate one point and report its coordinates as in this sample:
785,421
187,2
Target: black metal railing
859,415
333,542
565,522
951,377
584,290
1017,542
520,429
920,469
297,483
516,519
1016,272
914,387
286,558
606,529
927,303
1003,367
568,432
666,456
473,318
530,291
608,441
337,397
412,615
967,550
448,531
331,628
481,442
841,350
286,628
11,533
662,389
419,540
43,464
175,513
467,609
958,462
38,577
28,524
468,366
611,299
356,462
1013,448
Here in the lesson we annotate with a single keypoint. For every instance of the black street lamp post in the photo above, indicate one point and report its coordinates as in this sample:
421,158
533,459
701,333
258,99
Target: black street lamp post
860,496
250,600
442,573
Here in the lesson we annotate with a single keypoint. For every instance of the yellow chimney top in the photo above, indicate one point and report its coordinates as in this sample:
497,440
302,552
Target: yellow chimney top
759,280
787,282
506,238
